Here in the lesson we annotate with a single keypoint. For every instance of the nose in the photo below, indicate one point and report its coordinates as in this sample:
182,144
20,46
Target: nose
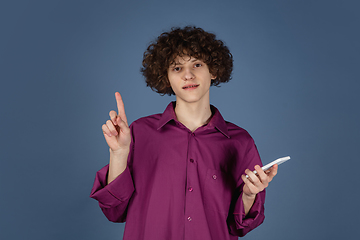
188,74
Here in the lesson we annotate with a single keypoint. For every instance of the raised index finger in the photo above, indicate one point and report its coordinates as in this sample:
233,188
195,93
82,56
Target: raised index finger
120,106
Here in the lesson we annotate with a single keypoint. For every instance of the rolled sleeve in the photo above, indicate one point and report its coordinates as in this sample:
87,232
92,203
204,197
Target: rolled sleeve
245,223
113,198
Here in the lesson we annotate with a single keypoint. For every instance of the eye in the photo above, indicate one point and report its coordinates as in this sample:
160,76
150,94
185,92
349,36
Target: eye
176,69
197,65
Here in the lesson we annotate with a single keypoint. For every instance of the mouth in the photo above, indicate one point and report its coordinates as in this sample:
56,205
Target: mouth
192,86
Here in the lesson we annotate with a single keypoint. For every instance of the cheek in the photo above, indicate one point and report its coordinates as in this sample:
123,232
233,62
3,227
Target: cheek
172,85
210,79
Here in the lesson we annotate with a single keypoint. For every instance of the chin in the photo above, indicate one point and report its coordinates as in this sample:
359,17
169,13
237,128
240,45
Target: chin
191,100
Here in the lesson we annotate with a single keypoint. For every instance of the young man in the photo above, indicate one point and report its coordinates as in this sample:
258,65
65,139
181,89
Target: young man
181,174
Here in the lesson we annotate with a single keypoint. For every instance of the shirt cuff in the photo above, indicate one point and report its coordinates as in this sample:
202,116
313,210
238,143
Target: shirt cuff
114,193
255,216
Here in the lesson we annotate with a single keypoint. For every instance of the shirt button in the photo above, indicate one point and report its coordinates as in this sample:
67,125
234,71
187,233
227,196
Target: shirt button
192,160
192,134
189,219
214,177
190,189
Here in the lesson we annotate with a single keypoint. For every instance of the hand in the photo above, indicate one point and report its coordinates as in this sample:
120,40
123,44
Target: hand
257,182
116,130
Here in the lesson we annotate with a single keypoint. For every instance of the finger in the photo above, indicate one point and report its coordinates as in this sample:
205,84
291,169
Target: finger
111,127
246,180
120,106
253,178
273,172
106,130
124,128
253,189
113,116
264,178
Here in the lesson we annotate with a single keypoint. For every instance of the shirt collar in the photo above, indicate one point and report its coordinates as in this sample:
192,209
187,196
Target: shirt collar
216,121
167,116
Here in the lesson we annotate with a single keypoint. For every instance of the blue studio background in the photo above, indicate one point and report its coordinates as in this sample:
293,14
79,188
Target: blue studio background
295,89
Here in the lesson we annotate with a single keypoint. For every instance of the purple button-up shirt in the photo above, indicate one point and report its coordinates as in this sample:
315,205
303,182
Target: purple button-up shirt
181,184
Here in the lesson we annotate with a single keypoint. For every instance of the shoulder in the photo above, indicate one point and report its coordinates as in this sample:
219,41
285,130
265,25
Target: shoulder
238,133
242,141
148,121
231,130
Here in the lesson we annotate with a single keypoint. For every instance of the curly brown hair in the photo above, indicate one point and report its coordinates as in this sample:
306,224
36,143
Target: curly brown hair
190,41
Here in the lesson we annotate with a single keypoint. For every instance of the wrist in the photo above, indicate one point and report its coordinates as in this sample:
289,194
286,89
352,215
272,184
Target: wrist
120,151
117,164
248,196
119,157
248,201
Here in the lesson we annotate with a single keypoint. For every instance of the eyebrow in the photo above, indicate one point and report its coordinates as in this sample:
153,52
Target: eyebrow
178,63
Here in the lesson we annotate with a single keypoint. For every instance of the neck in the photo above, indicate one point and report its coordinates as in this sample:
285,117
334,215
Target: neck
193,115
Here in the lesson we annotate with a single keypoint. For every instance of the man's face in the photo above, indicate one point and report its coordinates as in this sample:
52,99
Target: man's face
190,79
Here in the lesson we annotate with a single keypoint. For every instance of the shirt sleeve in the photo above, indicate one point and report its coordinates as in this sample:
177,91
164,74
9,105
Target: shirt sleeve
113,198
239,223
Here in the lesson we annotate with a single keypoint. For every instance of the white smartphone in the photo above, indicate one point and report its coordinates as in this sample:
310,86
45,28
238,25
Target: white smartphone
277,161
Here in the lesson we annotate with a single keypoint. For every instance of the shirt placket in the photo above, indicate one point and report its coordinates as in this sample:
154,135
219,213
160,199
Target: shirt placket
192,190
